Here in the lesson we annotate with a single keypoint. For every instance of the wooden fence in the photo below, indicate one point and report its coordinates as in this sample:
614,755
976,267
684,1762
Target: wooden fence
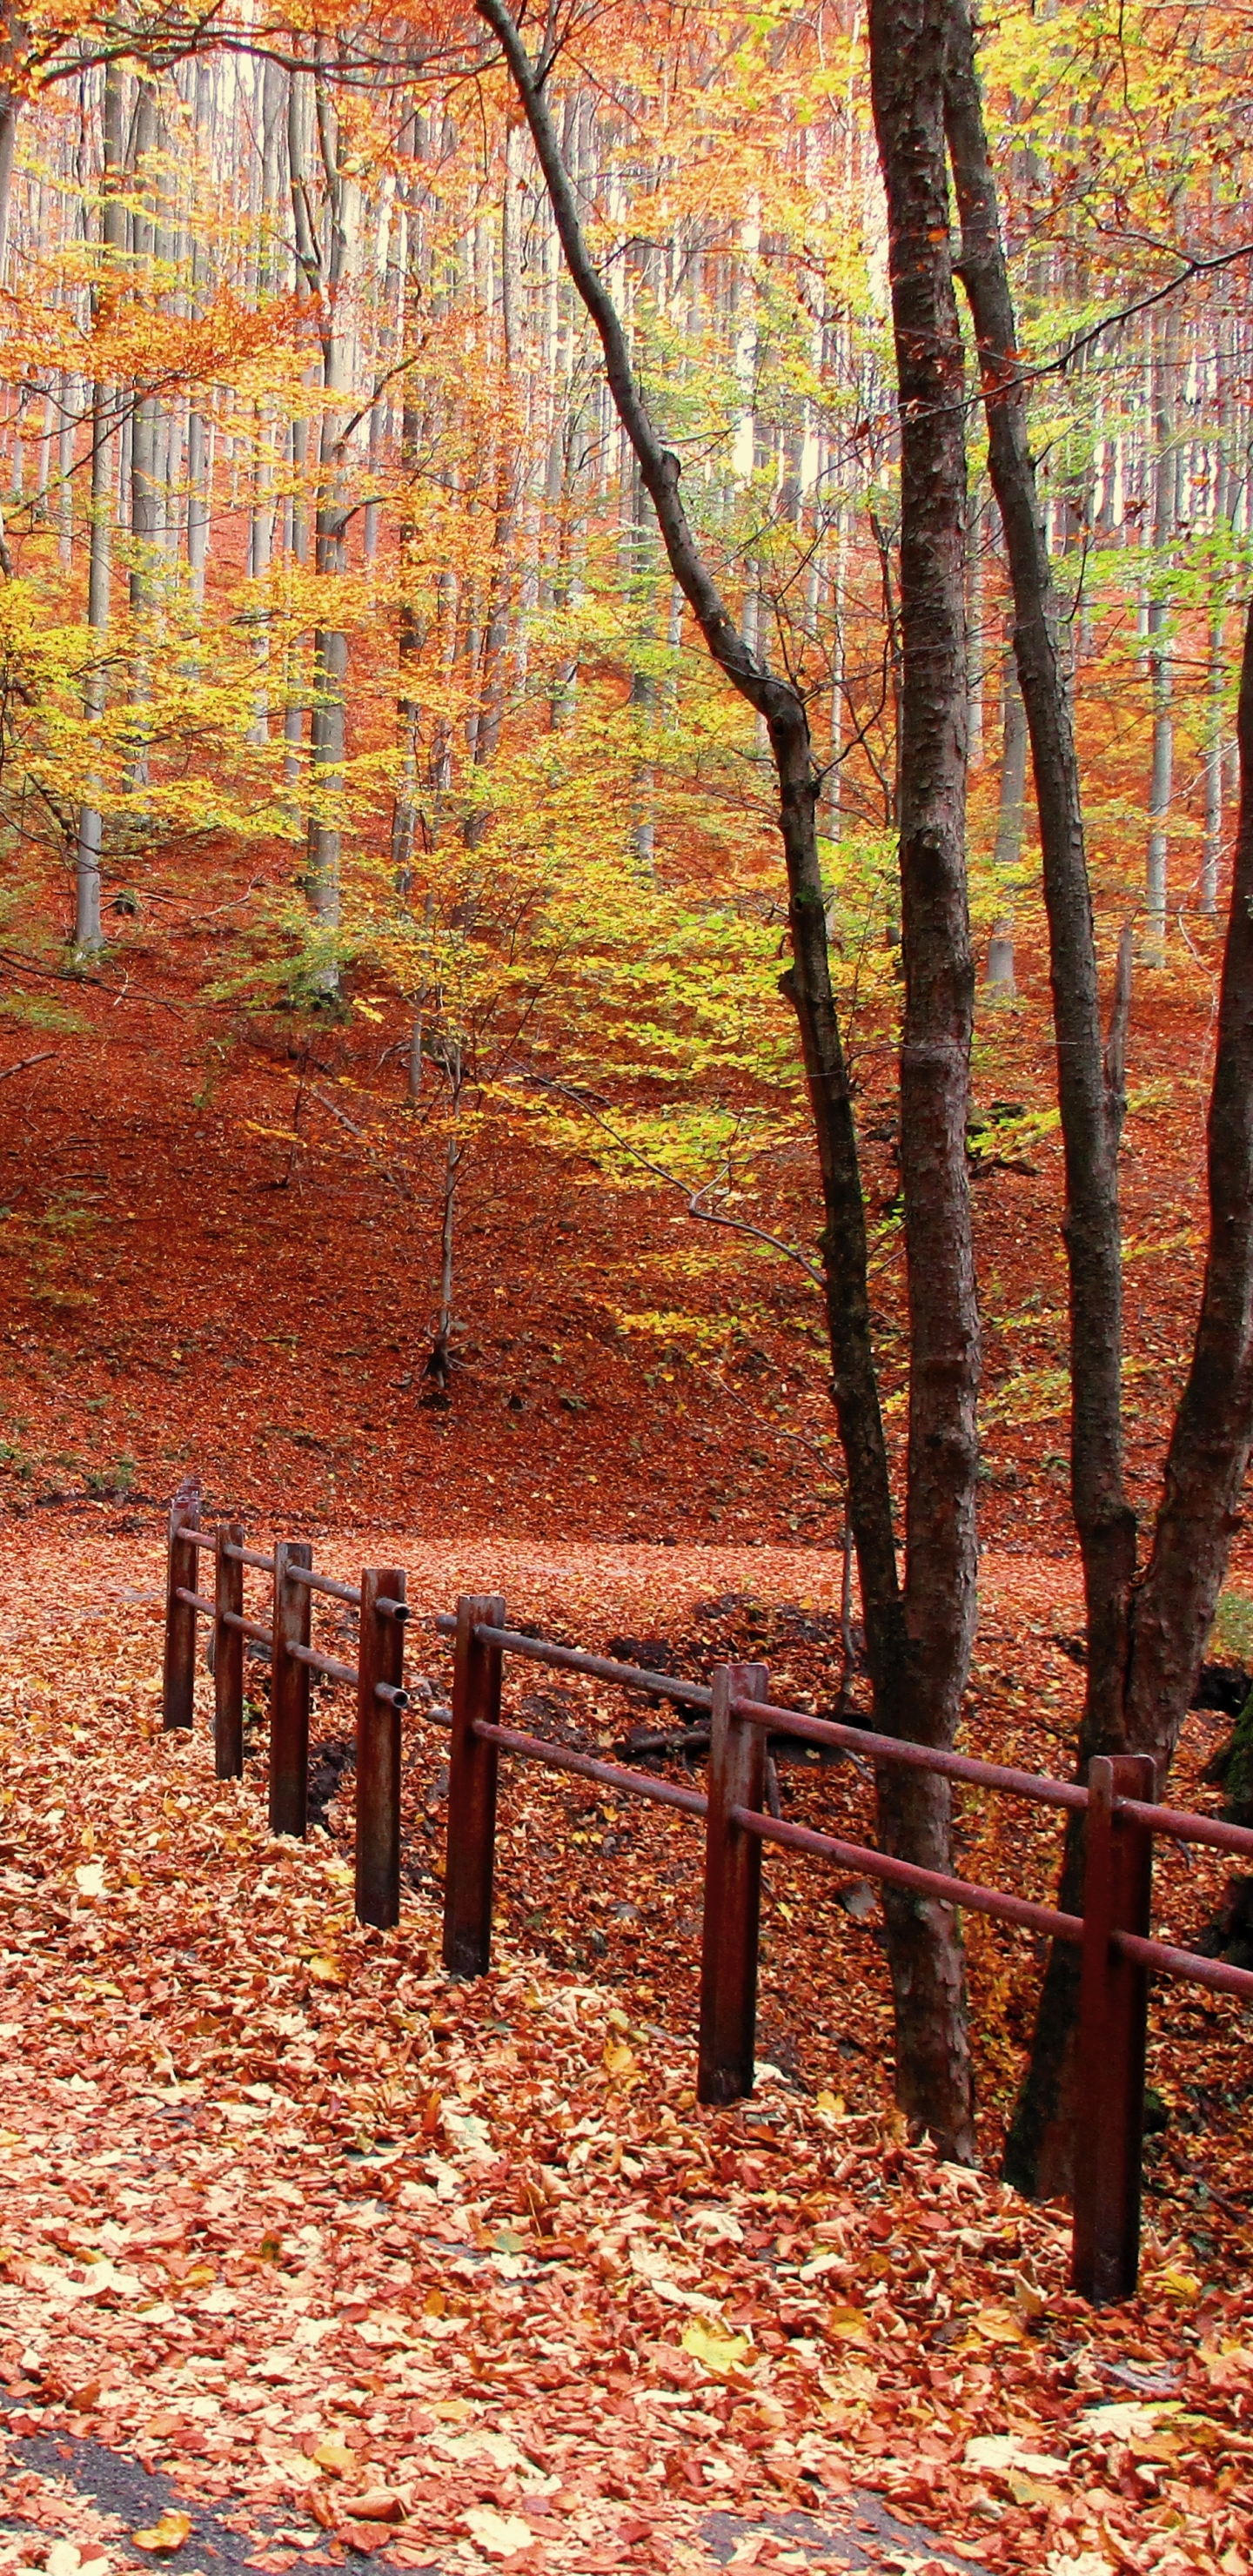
1122,1817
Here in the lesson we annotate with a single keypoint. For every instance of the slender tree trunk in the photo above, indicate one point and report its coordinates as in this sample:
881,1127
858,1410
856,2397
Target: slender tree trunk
144,494
1009,822
1161,668
88,935
907,40
914,1675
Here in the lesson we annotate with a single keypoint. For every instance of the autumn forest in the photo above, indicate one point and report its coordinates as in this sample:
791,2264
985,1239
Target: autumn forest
626,985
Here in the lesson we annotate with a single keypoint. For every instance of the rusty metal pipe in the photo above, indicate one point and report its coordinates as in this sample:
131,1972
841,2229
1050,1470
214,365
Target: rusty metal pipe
250,1628
903,1873
1186,1964
328,1583
328,1665
333,1671
558,1757
921,1757
538,1650
1183,1828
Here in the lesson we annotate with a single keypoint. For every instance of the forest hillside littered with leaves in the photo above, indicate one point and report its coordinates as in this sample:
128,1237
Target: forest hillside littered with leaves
622,885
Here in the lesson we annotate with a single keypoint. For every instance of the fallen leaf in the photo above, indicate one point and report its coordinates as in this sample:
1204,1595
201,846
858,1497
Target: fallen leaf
502,2535
848,2325
335,2455
165,2535
89,1878
721,2353
1002,2451
378,2504
1132,2420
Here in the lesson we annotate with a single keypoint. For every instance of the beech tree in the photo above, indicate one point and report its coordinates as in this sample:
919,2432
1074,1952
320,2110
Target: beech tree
918,1629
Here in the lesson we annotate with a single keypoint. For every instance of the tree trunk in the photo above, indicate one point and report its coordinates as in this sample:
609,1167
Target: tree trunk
1161,669
88,935
1145,1637
907,40
1009,822
915,1674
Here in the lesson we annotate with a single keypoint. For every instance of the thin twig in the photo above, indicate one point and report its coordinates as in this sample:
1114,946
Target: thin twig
25,1063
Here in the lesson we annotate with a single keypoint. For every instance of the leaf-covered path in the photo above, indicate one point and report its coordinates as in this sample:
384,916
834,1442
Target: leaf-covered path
461,2276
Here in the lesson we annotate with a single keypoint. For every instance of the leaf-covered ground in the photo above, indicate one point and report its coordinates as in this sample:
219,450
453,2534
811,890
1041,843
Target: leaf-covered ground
461,2276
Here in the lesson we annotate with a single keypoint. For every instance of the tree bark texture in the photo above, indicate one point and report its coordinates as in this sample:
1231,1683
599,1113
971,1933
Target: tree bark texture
907,50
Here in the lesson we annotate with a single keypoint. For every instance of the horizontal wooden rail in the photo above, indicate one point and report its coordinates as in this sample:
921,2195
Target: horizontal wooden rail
248,1556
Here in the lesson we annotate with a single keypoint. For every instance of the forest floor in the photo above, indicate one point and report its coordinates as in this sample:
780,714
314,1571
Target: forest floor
303,2243
314,2253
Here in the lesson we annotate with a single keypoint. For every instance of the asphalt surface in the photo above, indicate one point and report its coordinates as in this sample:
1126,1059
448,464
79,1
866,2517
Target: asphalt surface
857,2533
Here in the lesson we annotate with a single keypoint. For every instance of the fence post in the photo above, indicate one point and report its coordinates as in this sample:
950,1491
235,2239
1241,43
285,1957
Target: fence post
728,1965
472,1769
1113,2020
178,1676
289,1693
228,1656
380,1658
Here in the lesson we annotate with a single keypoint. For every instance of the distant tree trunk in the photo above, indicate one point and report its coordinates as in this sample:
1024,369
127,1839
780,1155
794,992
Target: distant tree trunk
491,708
197,426
144,491
438,1370
1161,670
975,653
14,41
1009,822
1215,680
88,934
327,273
917,1642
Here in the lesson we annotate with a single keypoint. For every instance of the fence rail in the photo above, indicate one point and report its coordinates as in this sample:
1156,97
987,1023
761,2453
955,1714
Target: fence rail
1121,1816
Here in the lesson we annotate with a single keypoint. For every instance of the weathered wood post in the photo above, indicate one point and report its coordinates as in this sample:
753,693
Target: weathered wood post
178,1675
472,1767
289,1692
728,1967
228,1654
380,1700
1113,2026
